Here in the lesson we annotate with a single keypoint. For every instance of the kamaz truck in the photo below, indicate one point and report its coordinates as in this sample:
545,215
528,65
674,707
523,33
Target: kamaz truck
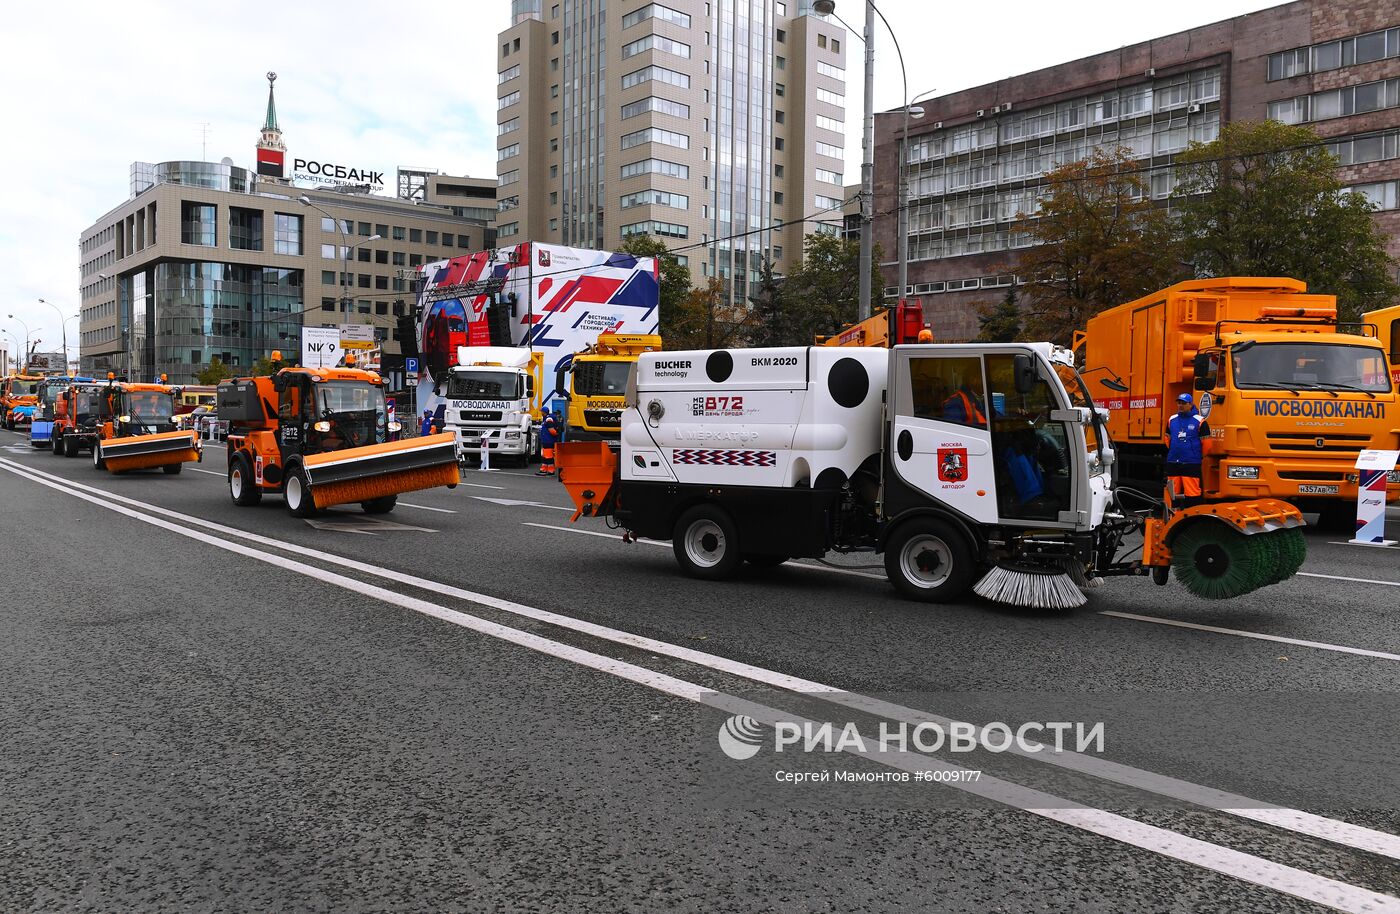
1291,395
491,402
18,391
594,382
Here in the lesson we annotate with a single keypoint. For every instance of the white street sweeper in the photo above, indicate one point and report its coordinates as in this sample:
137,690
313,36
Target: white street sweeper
966,464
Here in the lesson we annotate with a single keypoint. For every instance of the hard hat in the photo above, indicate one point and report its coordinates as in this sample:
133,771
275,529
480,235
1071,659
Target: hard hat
1184,398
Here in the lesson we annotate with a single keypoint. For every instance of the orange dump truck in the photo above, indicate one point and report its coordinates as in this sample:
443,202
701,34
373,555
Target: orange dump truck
1291,395
319,436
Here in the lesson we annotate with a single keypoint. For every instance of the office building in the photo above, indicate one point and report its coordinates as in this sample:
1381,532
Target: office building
208,260
977,157
716,126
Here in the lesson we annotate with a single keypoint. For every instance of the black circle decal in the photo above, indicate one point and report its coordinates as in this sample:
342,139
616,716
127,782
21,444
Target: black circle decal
719,366
904,445
848,383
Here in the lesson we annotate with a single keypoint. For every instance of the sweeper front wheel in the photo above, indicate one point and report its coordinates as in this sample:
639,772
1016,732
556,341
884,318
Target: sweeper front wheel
297,492
706,543
97,462
928,559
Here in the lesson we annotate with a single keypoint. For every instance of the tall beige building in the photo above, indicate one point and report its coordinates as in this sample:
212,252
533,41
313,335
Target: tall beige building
716,126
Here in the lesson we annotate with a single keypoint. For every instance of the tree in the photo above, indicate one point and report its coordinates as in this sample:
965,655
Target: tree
822,295
214,372
1263,199
1100,242
769,319
675,280
1000,323
706,320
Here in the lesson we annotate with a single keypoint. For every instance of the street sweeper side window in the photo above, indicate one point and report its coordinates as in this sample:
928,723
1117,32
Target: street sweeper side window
949,389
1030,451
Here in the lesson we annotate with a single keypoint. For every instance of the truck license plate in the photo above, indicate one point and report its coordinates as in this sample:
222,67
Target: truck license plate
1318,490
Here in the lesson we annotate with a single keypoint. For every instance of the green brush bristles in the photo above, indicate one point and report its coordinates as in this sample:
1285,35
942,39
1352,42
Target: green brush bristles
1293,549
1215,562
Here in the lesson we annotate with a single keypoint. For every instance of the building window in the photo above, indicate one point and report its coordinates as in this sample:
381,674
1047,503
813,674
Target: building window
509,126
659,105
399,258
362,229
328,277
657,198
245,229
831,98
830,177
656,167
398,233
287,234
506,152
830,123
829,150
553,37
381,256
381,282
836,45
656,11
362,255
554,118
505,101
825,202
831,70
655,135
821,40
780,35
669,229
508,177
431,237
447,239
362,280
1289,110
415,236
659,74
780,116
508,74
508,230
1286,64
655,43
197,224
327,304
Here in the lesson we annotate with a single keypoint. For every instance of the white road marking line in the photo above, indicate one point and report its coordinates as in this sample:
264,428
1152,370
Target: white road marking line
1245,867
1366,545
1334,577
1332,830
1359,651
477,485
788,564
517,503
404,504
206,472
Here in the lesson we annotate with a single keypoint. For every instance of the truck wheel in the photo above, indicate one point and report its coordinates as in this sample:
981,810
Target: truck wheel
765,561
173,469
297,491
379,505
242,488
58,446
97,462
706,543
927,559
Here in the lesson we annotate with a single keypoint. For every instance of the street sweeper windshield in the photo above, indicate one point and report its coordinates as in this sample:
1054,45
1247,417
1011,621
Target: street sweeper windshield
349,397
149,406
1311,366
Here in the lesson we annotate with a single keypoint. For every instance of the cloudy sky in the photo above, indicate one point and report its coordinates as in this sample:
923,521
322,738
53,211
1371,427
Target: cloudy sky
92,87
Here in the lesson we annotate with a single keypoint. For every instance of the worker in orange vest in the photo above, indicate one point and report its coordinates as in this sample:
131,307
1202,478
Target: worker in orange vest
549,435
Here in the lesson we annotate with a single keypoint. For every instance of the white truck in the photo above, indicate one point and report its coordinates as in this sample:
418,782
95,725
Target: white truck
491,402
963,464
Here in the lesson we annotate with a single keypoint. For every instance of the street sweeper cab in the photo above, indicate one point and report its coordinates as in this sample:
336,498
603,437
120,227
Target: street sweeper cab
985,464
78,412
321,437
136,430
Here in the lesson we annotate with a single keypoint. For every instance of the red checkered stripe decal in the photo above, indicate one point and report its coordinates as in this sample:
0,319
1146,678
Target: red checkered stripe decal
717,458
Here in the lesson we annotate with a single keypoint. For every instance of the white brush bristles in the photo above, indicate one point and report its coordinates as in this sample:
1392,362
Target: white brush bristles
1026,588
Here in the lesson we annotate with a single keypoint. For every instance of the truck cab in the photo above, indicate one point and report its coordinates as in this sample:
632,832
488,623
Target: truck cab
595,382
18,396
492,401
41,430
79,410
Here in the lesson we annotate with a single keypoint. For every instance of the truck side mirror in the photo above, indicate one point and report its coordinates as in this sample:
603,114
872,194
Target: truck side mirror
1023,366
559,384
1204,367
530,385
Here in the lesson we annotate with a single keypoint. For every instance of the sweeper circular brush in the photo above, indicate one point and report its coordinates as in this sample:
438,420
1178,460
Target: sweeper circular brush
1215,562
1033,586
1293,549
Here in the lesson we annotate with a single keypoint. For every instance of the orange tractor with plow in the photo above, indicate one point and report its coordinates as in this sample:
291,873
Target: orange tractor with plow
136,430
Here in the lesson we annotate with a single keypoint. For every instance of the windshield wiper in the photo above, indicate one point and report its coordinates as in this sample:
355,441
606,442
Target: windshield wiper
1270,385
1338,385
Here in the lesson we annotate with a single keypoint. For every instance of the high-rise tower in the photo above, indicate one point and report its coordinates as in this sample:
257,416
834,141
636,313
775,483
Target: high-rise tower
271,151
716,126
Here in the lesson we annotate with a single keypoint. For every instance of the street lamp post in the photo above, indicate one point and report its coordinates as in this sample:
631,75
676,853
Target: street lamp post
63,327
25,351
346,247
916,112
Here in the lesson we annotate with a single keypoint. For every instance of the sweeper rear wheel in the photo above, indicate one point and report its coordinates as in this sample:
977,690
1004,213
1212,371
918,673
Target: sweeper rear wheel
928,559
706,543
242,488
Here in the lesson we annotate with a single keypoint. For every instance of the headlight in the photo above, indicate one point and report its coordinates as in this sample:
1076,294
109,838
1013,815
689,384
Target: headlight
512,434
322,426
1238,472
123,419
395,426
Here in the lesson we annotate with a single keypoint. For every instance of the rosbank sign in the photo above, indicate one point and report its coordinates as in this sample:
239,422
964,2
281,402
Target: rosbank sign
330,173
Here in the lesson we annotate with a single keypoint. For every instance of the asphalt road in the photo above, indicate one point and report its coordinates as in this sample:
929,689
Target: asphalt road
472,704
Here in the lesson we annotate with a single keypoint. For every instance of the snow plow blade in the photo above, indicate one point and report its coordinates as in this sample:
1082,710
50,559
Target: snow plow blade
374,471
141,452
588,470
